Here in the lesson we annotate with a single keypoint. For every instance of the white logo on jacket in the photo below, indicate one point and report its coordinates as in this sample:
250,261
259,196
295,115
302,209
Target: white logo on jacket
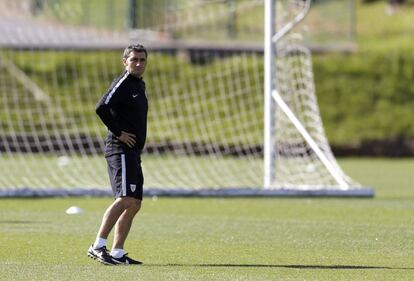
133,187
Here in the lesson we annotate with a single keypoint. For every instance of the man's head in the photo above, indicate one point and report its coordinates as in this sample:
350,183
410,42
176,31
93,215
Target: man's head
135,59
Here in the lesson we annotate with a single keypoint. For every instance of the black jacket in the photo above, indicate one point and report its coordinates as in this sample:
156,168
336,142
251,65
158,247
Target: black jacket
124,107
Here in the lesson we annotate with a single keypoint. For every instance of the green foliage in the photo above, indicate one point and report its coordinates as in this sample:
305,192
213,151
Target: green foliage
362,96
174,84
369,94
366,96
98,13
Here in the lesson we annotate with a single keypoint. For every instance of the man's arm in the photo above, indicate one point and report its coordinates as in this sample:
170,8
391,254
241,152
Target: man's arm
103,109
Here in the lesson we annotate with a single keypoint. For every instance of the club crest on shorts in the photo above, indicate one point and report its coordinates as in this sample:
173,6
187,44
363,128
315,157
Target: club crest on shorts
133,187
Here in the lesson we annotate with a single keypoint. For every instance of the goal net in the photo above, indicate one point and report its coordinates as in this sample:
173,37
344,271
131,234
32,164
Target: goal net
205,81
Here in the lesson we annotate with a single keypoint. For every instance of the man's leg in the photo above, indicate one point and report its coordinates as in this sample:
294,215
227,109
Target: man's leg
114,213
126,177
132,189
123,225
98,250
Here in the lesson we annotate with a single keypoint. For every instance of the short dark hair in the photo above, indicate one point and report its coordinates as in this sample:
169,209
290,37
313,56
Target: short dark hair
136,48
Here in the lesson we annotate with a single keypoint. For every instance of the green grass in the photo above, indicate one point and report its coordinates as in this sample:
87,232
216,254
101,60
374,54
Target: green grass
226,239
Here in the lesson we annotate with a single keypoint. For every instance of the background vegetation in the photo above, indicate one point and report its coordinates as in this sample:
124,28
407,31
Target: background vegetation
369,94
364,96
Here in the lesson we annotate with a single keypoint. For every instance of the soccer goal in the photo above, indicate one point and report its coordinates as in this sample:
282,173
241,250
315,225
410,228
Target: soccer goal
229,115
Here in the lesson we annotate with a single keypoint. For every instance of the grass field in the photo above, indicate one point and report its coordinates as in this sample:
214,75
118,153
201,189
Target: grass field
218,239
226,239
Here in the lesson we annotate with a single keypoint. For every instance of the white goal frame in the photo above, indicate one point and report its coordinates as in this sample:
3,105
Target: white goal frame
250,127
273,102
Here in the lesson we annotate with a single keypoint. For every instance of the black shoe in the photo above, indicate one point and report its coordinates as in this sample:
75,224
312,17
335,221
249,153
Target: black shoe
100,254
125,260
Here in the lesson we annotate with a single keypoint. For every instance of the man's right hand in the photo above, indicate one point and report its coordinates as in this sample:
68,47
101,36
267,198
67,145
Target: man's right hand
127,138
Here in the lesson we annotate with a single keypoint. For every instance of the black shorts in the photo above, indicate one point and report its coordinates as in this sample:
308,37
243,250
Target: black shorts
125,174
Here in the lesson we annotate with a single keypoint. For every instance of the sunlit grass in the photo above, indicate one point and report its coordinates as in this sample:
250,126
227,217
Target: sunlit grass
225,239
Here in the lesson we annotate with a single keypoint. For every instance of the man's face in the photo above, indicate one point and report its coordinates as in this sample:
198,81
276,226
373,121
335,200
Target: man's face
135,63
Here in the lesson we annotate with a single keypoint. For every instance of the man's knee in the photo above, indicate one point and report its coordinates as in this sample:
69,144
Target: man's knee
136,205
130,203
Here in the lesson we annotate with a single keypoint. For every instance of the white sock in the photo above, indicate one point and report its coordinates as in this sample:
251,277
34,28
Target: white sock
117,253
99,243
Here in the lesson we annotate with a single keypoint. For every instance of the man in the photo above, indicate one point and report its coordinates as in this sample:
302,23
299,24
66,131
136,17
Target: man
123,109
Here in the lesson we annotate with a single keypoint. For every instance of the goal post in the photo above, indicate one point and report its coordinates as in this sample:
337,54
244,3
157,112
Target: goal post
225,118
269,86
292,118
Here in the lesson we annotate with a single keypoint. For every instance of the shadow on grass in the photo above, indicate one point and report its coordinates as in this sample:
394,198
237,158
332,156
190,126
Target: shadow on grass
293,266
